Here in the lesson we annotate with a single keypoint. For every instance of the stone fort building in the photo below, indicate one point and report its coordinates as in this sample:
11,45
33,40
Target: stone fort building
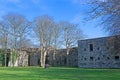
91,53
99,53
31,57
58,59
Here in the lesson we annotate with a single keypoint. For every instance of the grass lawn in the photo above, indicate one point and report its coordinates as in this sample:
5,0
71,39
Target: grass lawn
58,73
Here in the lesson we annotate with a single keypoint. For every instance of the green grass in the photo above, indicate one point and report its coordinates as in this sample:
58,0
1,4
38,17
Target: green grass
58,73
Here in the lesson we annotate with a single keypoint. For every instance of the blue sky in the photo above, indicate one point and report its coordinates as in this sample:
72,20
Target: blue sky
61,10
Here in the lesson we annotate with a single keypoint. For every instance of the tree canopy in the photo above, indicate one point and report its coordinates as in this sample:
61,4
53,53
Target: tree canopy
109,11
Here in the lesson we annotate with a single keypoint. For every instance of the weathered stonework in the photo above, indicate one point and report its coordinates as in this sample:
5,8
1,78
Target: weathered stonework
57,59
91,53
21,59
31,57
61,58
98,53
34,59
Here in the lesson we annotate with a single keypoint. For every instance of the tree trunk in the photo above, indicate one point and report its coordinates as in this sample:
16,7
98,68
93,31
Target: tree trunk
20,53
5,51
68,50
44,59
54,57
11,58
42,54
5,55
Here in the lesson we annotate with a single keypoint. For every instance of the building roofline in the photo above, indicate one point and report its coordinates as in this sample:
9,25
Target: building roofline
98,38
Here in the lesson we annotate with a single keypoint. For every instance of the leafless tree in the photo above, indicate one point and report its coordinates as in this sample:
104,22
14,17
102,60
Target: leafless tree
109,13
71,34
4,39
57,30
18,26
44,31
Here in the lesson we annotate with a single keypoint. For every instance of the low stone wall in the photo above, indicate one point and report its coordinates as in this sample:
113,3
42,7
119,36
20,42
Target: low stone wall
31,57
57,59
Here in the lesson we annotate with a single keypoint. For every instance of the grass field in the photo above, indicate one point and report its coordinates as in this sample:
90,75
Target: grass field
58,73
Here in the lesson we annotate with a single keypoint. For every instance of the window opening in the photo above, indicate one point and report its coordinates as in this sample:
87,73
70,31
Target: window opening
116,57
91,58
91,47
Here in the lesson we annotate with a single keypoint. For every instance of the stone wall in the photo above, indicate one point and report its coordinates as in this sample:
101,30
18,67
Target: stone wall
91,53
98,53
20,60
34,59
57,59
60,58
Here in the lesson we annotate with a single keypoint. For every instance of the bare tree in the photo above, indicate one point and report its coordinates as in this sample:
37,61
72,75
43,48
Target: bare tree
44,31
4,40
71,34
109,13
18,26
57,30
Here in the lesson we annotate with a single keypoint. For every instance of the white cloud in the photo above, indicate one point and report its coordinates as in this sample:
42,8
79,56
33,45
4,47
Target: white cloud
77,19
6,2
40,4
